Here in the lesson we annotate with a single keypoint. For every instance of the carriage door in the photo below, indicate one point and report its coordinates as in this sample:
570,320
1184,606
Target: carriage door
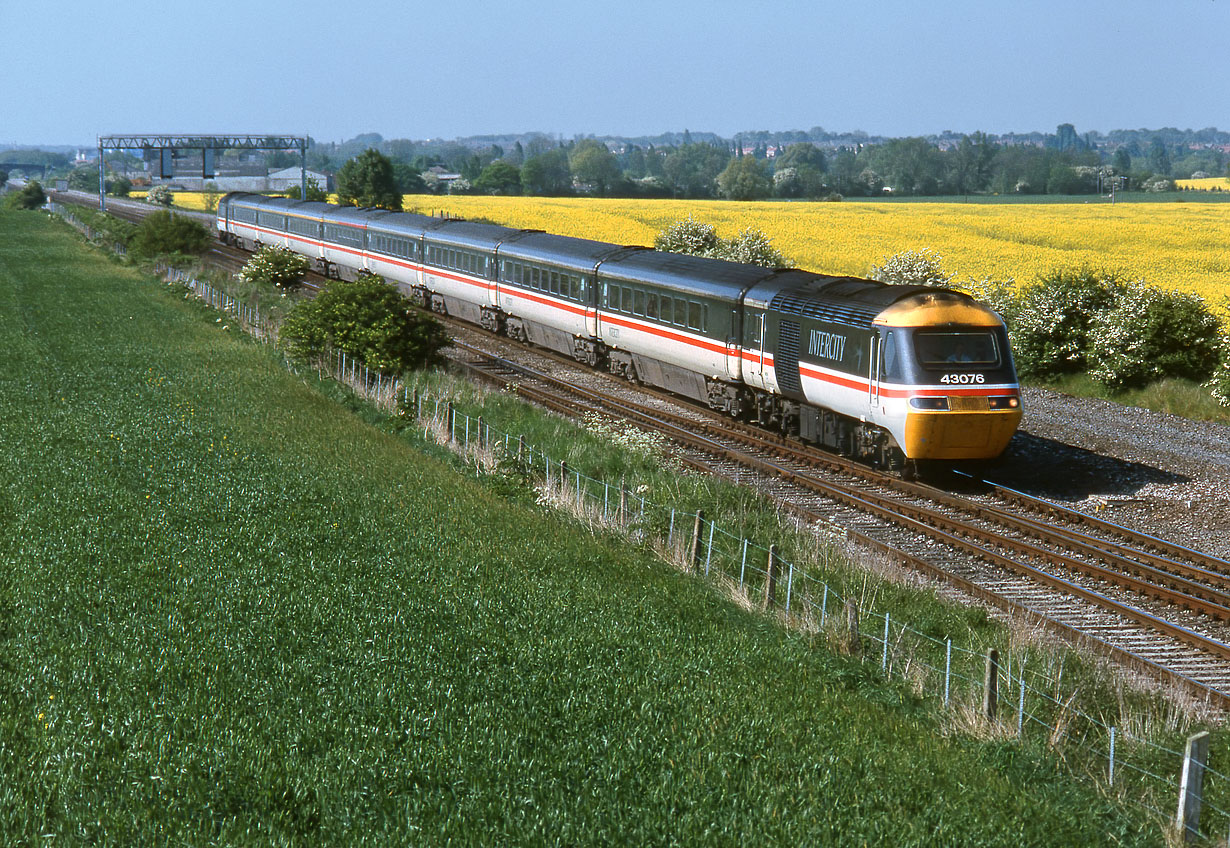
873,381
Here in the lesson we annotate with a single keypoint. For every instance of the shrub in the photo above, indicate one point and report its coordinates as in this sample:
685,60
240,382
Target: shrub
31,196
913,267
120,186
753,247
160,195
280,267
1150,334
1219,385
166,234
696,238
366,318
1049,320
689,236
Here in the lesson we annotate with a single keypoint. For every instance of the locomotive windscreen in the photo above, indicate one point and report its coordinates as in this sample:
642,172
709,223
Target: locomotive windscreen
942,350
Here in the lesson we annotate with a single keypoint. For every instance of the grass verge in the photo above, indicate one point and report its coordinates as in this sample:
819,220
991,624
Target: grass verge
234,612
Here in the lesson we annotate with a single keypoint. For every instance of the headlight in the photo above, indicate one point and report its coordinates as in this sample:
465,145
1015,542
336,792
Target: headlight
1011,402
929,402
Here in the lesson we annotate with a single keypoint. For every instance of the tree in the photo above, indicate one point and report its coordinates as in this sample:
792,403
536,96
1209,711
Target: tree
499,178
1122,162
367,180
408,178
745,178
367,318
31,196
120,186
547,173
799,155
4,177
593,163
84,178
314,191
159,195
693,169
165,234
1159,157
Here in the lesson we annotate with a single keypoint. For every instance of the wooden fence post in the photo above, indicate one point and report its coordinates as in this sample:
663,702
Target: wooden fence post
990,689
854,643
450,419
481,440
770,578
1187,822
623,502
694,559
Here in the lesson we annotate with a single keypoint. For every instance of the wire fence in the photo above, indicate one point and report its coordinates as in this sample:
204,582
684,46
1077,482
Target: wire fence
1018,694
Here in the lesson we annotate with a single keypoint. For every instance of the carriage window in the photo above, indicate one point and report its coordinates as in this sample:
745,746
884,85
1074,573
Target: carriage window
681,312
694,320
651,306
625,302
639,296
968,349
554,284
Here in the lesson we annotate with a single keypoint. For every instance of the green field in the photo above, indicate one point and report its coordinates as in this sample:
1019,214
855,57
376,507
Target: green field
234,612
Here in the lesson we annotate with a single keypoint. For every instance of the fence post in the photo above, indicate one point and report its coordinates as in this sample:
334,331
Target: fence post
743,564
520,447
854,644
884,658
563,479
770,579
1190,786
709,549
1110,776
694,558
670,534
451,419
990,690
482,442
824,606
947,671
623,503
1020,710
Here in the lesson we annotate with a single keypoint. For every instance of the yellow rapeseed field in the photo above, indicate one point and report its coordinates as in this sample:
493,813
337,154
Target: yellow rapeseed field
1184,246
1205,184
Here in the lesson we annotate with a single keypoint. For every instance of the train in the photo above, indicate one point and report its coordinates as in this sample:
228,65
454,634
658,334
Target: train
891,375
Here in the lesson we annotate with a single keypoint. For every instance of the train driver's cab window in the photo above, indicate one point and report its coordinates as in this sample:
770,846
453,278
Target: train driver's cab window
890,362
957,350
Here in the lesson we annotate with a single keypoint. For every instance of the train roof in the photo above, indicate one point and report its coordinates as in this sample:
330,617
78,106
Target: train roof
403,223
458,233
693,275
575,254
845,300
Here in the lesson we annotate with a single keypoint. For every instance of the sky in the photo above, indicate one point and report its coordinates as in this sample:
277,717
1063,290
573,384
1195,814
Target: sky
73,70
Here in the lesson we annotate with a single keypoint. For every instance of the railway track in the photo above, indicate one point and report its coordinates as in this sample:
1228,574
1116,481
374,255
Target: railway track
1157,607
1147,603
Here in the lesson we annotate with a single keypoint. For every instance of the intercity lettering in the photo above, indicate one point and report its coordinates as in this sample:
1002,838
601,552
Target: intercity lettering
826,345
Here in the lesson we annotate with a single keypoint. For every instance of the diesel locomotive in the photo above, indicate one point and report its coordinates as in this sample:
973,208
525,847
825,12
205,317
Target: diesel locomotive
889,374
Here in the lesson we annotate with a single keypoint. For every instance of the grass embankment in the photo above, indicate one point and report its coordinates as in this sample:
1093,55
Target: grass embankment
233,612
